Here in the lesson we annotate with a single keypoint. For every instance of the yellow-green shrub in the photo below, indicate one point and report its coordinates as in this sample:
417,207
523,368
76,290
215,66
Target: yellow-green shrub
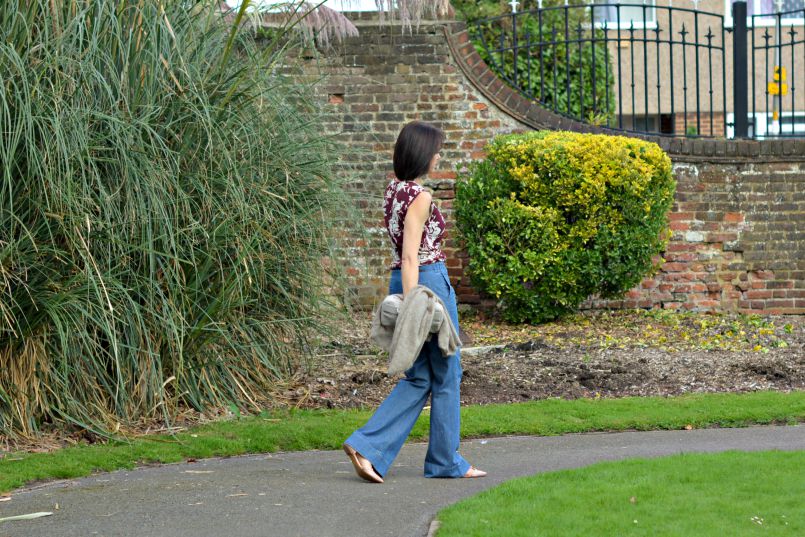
550,218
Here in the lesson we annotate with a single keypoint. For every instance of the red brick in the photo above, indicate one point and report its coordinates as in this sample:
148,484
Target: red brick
680,246
674,267
676,217
758,294
479,106
734,217
679,226
681,257
783,284
720,237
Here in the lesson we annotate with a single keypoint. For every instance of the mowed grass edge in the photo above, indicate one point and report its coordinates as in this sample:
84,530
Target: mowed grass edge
299,430
704,494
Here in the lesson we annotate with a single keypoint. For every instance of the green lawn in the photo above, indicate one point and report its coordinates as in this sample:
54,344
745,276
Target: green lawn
723,494
327,429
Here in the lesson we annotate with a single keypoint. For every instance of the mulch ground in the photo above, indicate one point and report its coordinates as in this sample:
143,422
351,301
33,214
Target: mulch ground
598,354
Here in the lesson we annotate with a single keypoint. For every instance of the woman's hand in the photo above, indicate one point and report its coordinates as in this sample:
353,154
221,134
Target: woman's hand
413,227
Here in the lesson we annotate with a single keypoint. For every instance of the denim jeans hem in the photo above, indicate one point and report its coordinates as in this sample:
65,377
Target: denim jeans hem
458,470
361,444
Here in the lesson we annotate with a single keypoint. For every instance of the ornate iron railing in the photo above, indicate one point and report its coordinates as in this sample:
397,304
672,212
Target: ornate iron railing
660,69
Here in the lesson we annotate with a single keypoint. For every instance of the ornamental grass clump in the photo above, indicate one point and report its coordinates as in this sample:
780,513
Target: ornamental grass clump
166,198
551,218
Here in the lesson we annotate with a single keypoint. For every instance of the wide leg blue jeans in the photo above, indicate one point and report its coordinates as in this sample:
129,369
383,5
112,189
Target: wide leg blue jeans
381,439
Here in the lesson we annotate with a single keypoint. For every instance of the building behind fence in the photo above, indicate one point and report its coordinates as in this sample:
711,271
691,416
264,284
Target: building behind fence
683,68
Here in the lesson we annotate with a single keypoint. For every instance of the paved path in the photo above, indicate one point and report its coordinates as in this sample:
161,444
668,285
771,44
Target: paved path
316,494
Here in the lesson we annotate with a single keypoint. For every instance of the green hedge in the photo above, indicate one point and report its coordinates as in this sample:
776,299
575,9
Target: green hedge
550,218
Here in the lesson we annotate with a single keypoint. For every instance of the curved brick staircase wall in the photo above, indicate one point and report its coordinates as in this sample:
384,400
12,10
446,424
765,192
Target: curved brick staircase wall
738,241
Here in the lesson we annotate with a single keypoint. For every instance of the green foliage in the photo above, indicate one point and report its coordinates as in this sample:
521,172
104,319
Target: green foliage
165,201
550,218
565,81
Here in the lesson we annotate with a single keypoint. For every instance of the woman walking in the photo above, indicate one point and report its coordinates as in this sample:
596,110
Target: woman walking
416,226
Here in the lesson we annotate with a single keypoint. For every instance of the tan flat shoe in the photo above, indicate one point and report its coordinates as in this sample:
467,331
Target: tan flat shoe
474,472
362,465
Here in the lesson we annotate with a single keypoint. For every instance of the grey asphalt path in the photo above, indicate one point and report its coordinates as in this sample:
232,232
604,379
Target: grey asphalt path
317,494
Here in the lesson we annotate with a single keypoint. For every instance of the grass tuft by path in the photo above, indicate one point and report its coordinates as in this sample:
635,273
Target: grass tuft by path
708,495
327,429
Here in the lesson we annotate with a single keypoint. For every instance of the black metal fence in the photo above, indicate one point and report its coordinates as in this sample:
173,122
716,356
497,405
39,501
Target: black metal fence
666,70
777,49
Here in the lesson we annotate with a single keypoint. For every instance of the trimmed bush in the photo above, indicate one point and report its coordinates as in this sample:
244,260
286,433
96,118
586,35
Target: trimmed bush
166,200
550,218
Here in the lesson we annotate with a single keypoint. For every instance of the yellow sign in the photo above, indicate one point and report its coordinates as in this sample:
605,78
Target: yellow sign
774,88
779,74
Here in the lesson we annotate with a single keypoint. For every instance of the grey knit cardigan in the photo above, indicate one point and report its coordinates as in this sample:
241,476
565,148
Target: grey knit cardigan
421,315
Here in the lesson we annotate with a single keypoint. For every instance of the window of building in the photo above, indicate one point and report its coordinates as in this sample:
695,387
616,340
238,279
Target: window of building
762,125
632,14
769,7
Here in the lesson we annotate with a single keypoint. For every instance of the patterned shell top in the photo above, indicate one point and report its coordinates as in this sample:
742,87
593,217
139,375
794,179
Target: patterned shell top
398,198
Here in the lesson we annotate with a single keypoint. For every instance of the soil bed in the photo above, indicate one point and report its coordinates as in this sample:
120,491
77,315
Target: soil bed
609,354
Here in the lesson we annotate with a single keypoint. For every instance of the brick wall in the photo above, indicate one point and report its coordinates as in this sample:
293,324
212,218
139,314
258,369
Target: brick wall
700,123
736,242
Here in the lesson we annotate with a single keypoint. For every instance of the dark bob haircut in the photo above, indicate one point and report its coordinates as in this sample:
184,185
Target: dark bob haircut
415,147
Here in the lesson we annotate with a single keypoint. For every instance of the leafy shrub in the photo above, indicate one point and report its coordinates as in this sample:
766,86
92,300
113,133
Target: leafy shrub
550,218
166,198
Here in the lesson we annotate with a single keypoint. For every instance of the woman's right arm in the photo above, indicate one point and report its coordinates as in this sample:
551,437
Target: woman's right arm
414,225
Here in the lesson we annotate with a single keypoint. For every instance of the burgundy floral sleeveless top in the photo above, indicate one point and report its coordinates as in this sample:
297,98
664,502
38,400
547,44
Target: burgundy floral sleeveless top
399,196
